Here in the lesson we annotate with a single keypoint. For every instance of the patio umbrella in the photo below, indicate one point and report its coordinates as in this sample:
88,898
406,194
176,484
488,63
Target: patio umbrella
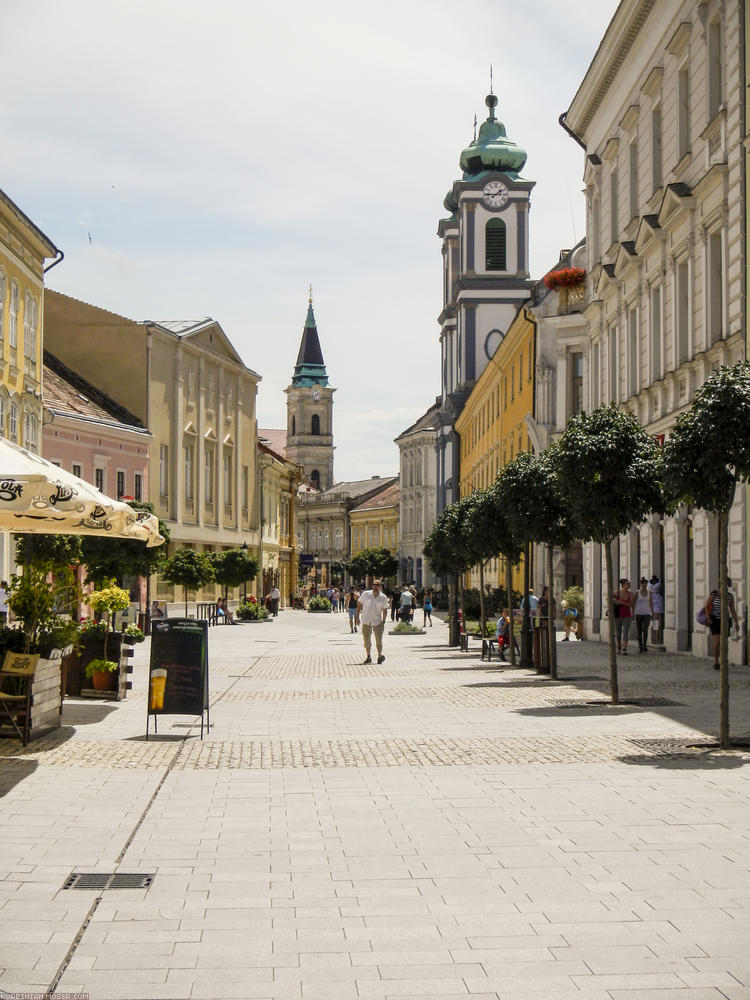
39,497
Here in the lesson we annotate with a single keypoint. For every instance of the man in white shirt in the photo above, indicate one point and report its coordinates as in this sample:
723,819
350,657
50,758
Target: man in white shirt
275,596
406,605
373,607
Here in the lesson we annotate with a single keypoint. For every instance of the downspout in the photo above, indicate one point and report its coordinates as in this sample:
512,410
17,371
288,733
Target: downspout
571,133
54,263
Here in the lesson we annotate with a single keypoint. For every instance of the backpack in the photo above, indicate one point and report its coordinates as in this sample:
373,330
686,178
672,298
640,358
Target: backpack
701,616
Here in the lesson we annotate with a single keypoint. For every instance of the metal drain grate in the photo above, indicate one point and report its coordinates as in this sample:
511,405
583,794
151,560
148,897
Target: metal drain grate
99,881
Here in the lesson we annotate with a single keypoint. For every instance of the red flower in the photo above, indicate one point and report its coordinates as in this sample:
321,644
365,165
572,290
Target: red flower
565,277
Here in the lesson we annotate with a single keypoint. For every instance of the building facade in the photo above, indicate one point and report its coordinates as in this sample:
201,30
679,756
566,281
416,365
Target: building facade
374,522
417,477
186,383
485,246
23,251
278,481
660,116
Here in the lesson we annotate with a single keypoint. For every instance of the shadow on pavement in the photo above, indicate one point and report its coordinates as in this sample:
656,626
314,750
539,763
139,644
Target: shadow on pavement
77,713
13,770
710,760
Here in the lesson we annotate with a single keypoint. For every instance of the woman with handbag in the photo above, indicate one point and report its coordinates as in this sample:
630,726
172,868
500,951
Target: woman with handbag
623,599
713,617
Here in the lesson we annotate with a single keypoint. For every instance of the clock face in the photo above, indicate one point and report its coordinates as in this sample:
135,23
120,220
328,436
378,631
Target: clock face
495,194
316,394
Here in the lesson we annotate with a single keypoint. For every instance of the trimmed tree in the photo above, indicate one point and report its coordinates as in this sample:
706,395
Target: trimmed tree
232,568
502,539
537,512
373,562
448,549
705,457
189,569
610,471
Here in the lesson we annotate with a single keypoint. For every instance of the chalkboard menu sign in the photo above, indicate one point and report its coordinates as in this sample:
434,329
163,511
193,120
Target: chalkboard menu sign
178,674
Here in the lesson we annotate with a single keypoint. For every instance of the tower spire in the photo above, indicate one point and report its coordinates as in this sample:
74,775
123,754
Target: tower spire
310,368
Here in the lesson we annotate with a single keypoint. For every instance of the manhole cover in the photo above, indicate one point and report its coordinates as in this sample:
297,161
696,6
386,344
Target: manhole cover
99,881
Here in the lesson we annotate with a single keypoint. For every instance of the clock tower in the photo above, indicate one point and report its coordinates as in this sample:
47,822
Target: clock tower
309,410
485,276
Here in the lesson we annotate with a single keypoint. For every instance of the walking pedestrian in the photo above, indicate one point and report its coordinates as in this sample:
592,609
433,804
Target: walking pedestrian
427,608
351,606
570,621
644,610
335,600
405,605
623,615
713,617
372,608
275,596
395,604
656,587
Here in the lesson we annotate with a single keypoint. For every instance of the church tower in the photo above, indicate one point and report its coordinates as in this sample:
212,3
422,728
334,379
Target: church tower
485,275
309,410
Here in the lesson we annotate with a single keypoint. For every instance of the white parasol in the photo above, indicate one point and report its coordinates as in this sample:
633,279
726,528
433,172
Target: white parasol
40,498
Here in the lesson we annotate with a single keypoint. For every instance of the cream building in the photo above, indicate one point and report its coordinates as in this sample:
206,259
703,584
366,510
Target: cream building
278,481
373,524
190,388
417,476
660,116
23,251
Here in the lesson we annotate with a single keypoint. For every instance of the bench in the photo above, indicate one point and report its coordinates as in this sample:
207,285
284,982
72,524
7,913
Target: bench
205,611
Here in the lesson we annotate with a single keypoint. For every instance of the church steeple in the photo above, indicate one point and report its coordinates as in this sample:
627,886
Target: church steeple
310,368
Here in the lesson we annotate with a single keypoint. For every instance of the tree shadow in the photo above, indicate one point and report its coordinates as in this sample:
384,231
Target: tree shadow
710,759
81,713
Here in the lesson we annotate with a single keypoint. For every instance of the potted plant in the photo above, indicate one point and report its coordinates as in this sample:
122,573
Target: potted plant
102,673
133,635
106,602
251,611
319,605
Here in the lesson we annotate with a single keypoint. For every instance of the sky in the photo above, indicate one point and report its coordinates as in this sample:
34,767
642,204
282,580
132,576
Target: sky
198,159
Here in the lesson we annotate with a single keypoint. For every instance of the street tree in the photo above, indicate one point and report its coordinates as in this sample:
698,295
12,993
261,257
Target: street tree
188,569
232,568
705,457
449,552
373,562
610,471
536,508
501,540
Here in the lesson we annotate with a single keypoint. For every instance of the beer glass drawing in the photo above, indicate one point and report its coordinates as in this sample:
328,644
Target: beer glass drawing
156,692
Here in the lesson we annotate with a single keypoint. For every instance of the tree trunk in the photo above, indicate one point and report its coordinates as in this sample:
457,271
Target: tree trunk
453,639
509,588
186,601
482,618
611,619
551,617
724,741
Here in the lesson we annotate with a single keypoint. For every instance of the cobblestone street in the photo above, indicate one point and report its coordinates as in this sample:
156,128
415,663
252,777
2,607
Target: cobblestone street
432,827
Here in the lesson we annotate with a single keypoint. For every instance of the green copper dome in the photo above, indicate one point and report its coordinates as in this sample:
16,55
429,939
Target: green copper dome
492,149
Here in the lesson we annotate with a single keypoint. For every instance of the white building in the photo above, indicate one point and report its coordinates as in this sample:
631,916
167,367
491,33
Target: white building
416,446
659,114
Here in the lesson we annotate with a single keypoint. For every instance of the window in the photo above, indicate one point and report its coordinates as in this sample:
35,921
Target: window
494,245
657,336
683,113
315,424
656,178
13,422
138,487
99,479
3,293
188,453
120,484
76,470
294,425
614,194
714,69
228,479
34,431
633,352
315,479
13,333
163,470
614,389
595,374
29,329
595,232
633,178
520,372
682,313
208,475
245,487
576,383
512,382
715,288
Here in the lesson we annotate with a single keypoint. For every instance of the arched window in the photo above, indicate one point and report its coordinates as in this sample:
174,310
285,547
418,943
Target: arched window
2,415
294,425
315,478
494,245
13,423
3,294
14,297
315,424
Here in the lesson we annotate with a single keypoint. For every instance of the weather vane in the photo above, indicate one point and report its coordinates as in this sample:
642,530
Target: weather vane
310,298
491,85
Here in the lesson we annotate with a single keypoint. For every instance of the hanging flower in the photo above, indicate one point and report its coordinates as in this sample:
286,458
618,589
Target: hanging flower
565,277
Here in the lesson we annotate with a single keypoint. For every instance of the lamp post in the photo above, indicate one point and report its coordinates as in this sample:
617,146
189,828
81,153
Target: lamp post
315,567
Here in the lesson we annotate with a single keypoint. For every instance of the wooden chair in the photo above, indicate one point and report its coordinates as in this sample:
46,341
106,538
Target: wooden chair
15,706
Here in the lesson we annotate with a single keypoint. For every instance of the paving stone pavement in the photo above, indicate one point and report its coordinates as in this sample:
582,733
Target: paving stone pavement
431,827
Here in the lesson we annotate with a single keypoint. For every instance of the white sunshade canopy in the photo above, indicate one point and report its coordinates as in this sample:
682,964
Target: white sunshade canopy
40,498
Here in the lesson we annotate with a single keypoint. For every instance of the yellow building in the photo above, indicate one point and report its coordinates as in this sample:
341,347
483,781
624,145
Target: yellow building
494,424
23,251
374,523
190,388
278,480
